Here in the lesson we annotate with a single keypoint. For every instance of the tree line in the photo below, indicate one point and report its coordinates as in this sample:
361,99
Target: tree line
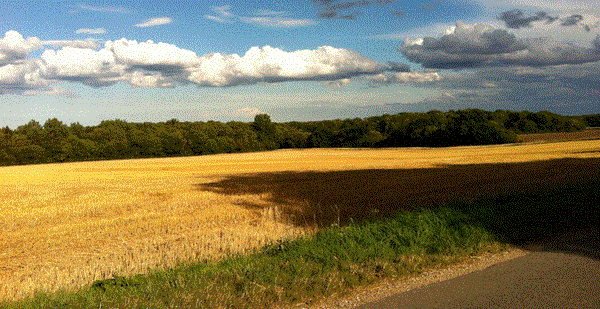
55,141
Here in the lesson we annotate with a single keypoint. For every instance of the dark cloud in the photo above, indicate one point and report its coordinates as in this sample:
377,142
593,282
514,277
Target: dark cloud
485,43
336,15
572,20
484,46
397,67
328,14
348,5
516,19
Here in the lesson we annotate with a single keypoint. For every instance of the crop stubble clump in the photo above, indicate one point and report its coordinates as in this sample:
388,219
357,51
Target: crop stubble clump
66,225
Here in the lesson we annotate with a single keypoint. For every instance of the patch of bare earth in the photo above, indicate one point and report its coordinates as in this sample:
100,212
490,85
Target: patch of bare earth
592,133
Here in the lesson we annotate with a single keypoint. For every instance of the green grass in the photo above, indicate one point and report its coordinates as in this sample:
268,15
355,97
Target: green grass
338,259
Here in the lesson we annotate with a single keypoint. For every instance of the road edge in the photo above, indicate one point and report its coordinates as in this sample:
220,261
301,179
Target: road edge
389,287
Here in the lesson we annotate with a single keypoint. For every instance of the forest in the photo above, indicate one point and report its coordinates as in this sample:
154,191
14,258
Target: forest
55,141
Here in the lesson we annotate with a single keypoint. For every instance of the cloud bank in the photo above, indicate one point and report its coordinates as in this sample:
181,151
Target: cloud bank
468,46
150,64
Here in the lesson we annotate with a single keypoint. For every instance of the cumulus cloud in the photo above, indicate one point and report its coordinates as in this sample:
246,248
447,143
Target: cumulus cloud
268,64
149,64
483,46
91,31
151,55
157,21
89,43
13,46
91,67
21,76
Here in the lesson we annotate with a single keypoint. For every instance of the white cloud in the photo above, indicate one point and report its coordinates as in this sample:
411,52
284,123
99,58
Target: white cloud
264,18
149,54
149,64
89,43
270,13
268,64
91,67
157,21
221,14
91,31
14,46
278,22
18,77
103,9
218,19
223,10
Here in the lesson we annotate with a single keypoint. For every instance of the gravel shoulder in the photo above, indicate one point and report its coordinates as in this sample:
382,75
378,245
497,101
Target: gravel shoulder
544,272
391,287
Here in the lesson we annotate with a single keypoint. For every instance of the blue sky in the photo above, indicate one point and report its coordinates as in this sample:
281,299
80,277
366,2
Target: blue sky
86,61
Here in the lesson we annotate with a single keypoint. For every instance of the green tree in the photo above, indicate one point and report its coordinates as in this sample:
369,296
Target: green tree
55,132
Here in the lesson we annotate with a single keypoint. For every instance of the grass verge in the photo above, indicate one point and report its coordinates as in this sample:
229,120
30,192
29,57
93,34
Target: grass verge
338,259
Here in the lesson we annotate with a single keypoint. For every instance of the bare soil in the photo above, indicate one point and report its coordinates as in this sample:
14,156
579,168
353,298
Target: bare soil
591,133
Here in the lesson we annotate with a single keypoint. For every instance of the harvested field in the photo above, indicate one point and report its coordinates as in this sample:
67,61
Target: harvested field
587,134
65,225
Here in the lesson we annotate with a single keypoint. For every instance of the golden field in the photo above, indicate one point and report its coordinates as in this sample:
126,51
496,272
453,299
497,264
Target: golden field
66,225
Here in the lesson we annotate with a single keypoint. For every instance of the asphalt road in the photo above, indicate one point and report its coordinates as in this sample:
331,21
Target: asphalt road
561,273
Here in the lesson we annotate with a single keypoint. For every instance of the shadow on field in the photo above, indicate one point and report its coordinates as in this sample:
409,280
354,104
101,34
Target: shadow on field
519,202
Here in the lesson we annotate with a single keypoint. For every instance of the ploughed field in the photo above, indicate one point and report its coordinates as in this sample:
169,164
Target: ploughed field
66,225
589,133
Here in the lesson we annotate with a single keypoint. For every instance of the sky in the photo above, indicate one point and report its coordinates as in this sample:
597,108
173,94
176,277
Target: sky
296,60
